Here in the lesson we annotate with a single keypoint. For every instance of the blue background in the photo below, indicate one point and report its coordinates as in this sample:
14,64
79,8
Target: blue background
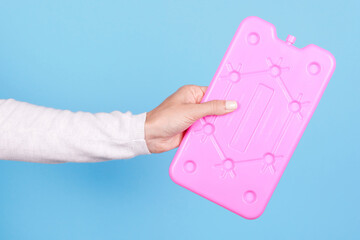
101,56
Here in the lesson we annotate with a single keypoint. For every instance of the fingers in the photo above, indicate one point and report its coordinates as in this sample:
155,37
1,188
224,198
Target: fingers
190,94
215,107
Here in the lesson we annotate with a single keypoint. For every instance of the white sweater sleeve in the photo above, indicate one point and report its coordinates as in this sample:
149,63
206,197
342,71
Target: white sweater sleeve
46,135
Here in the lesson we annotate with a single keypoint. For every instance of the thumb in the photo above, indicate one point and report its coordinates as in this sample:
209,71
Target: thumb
215,107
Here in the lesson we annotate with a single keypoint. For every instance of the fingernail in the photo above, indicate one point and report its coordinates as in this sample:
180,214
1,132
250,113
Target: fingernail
231,105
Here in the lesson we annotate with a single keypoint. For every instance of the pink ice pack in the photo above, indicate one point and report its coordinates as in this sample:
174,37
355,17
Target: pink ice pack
236,160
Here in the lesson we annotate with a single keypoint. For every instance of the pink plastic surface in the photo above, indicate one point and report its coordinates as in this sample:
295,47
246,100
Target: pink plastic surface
236,160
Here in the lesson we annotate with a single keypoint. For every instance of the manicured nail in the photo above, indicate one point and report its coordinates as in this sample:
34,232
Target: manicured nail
230,105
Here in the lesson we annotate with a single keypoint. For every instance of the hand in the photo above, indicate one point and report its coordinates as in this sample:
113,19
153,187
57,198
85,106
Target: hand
166,124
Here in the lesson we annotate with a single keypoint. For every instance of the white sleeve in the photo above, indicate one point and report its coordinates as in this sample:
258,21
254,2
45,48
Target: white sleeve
46,135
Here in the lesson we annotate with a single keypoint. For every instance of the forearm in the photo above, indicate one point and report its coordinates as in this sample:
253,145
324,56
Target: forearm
39,134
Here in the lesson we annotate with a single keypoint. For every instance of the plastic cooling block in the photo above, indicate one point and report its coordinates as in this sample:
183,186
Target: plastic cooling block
236,160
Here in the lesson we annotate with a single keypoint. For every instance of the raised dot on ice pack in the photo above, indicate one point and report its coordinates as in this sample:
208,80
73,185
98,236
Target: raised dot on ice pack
190,166
253,38
249,196
314,68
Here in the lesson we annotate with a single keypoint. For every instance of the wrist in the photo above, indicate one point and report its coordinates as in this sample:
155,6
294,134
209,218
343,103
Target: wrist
149,136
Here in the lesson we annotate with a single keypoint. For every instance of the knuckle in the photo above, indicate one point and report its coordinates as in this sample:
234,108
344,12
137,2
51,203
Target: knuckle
185,87
214,106
188,87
